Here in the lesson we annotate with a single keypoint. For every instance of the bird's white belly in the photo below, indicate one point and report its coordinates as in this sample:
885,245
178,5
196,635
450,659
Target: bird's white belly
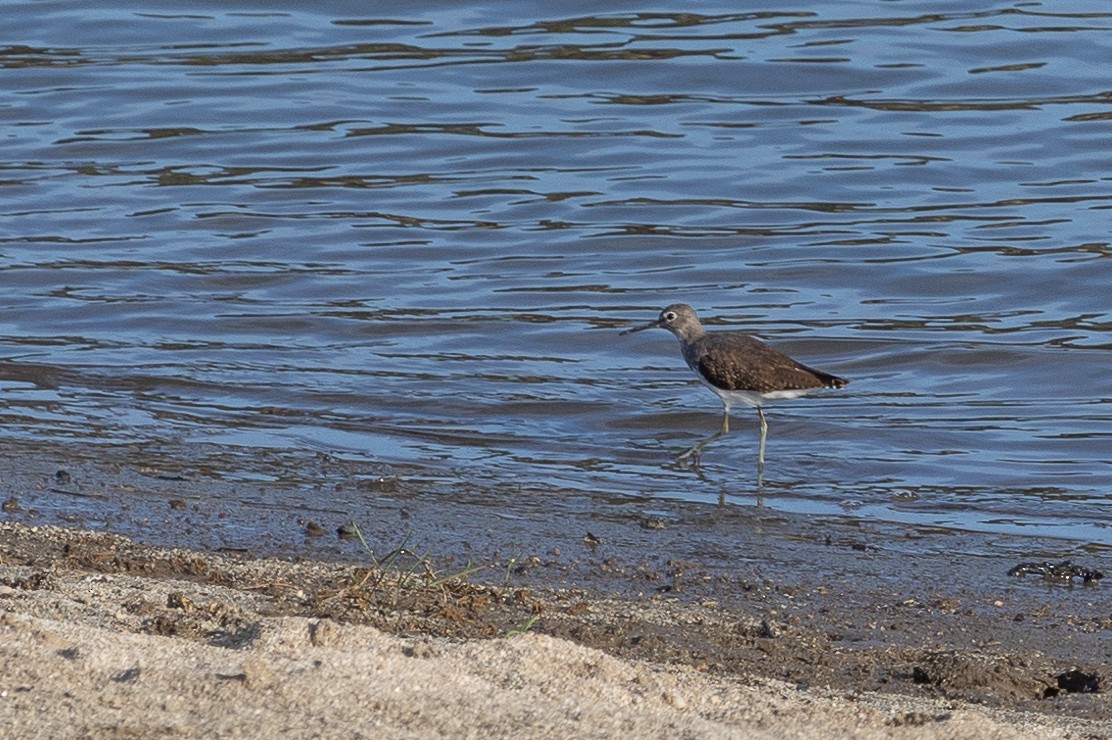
752,398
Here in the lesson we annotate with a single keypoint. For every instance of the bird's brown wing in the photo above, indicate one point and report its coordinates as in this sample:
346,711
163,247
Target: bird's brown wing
741,363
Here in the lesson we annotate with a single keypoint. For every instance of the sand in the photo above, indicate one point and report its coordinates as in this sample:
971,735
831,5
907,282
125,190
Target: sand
106,637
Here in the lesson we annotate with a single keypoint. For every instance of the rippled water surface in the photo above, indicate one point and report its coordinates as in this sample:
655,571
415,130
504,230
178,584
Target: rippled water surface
408,234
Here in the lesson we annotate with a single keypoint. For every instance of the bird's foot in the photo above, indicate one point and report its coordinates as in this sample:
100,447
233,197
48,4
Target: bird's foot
691,457
695,453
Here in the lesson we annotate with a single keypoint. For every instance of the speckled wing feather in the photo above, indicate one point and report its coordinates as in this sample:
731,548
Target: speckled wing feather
736,362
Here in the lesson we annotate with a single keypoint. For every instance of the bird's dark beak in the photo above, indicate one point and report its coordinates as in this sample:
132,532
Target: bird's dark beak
650,325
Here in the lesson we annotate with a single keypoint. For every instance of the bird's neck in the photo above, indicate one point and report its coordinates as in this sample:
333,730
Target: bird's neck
689,334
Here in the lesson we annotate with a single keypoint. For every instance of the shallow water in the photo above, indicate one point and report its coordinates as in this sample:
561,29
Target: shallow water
411,238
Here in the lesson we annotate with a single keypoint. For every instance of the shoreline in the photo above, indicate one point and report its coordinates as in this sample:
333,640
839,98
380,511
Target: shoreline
108,636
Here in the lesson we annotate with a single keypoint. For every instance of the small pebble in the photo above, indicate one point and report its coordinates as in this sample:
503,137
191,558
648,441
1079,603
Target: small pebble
674,699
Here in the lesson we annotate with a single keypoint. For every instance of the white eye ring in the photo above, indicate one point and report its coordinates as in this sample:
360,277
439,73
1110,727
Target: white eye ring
670,316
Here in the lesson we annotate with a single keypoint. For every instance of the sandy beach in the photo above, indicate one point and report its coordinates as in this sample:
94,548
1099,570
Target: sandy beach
107,637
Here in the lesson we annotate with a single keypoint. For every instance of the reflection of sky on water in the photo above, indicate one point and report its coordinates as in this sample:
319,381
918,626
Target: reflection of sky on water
411,240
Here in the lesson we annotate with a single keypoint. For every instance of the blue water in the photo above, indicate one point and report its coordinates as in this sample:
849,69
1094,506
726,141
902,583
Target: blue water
408,235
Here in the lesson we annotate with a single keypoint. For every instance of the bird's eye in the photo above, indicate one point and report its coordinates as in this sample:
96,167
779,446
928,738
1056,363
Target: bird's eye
670,316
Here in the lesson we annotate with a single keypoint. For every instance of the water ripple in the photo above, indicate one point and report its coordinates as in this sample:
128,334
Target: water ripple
409,238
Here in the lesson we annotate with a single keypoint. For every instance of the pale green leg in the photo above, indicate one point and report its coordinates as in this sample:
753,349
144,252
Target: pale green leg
697,449
761,447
